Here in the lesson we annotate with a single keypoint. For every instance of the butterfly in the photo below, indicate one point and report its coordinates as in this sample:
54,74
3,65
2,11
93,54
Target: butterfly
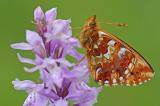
111,61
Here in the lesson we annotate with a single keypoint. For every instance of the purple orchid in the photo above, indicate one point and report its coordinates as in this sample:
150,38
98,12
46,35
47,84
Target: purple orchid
61,81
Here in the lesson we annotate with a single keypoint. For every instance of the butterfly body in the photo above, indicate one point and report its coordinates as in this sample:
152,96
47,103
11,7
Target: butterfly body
112,61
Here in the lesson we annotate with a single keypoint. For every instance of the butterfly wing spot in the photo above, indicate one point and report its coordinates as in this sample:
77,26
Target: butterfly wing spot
101,34
110,49
128,84
134,84
95,46
95,60
100,56
111,43
134,60
106,82
114,81
120,78
126,71
107,55
130,66
121,52
98,71
145,80
140,83
100,82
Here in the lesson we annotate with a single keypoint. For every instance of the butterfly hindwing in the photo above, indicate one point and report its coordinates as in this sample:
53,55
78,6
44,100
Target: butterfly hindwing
113,62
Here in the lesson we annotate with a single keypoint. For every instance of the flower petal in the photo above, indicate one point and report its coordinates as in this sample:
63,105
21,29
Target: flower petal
33,38
30,100
36,41
74,42
22,46
25,60
38,14
35,99
57,78
33,69
26,85
50,15
61,102
78,73
83,95
59,26
73,52
68,30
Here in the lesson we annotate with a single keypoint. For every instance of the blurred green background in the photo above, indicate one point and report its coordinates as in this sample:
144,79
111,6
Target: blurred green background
143,34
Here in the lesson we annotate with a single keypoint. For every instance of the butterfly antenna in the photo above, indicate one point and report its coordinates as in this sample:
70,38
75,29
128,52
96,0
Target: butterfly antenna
115,24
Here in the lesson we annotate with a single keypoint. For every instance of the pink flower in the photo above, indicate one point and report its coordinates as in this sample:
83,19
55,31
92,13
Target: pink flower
60,80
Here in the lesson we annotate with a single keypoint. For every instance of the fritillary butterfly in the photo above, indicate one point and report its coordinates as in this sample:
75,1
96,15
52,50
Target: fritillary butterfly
112,61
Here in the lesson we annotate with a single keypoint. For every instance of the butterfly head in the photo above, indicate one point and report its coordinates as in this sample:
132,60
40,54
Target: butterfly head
92,22
89,30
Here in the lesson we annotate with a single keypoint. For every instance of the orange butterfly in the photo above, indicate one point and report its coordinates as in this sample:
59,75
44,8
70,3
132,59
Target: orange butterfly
112,61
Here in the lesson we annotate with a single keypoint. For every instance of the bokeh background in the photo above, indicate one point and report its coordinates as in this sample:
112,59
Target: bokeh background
143,34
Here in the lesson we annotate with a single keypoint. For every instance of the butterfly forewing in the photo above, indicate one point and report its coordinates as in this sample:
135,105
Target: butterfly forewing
112,61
